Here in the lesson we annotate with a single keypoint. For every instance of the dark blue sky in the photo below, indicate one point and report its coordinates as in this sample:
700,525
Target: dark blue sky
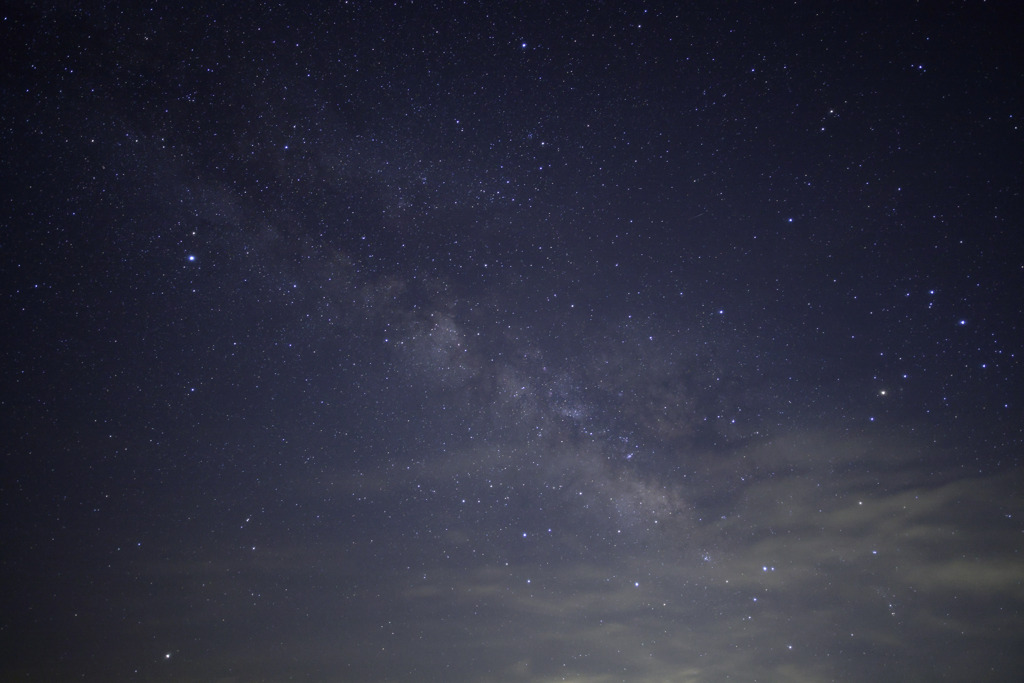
506,342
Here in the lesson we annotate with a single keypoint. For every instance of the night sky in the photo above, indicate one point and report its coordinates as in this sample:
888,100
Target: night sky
512,342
